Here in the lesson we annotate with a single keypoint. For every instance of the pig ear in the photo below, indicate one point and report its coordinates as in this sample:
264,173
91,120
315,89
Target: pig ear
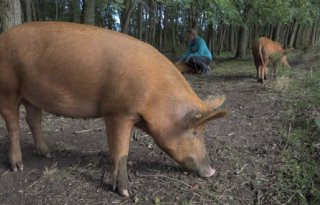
203,118
213,104
196,119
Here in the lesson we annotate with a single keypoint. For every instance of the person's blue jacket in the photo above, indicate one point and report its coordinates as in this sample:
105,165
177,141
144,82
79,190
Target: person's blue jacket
197,47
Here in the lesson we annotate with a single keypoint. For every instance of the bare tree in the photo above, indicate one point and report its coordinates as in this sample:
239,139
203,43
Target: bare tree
140,20
126,15
10,14
90,12
75,4
28,7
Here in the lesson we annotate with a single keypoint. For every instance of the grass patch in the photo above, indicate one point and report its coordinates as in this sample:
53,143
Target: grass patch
299,175
243,68
50,171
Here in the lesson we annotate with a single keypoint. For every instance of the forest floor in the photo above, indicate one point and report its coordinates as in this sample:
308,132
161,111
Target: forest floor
248,148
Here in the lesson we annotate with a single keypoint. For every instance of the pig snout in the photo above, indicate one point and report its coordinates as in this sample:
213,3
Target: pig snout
201,167
209,172
204,169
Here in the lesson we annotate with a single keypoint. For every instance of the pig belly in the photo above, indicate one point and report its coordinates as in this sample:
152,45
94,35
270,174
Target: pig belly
62,101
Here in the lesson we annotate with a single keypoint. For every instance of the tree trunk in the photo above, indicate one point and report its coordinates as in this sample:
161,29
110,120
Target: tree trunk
194,14
165,26
232,39
250,38
299,36
293,34
276,32
317,35
110,19
305,35
173,48
242,42
146,31
76,10
10,14
270,31
140,20
35,9
227,38
126,14
313,32
89,13
153,20
221,39
254,33
28,16
100,20
210,36
57,10
160,27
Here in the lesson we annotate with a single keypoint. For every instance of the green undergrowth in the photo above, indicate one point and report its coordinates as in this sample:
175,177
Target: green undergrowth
299,173
244,68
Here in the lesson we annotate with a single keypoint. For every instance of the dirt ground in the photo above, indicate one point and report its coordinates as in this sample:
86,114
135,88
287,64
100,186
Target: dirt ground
244,147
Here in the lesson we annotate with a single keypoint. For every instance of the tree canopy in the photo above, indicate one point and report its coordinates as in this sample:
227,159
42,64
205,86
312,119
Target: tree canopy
227,25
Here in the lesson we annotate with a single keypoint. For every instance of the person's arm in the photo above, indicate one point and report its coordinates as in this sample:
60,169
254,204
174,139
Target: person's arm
187,53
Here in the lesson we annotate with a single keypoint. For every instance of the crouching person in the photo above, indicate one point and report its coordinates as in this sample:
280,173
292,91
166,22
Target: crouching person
197,57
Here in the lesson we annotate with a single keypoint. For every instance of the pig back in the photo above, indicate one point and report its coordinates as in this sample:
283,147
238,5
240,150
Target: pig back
82,71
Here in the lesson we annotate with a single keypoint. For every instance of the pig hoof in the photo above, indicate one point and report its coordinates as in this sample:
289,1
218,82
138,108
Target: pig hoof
48,156
124,192
44,153
17,167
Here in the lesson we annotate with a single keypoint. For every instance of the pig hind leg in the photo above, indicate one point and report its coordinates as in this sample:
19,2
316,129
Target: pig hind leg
34,118
256,63
9,109
259,74
265,73
264,70
118,133
257,70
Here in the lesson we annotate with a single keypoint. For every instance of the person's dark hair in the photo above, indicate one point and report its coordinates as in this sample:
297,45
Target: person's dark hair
193,32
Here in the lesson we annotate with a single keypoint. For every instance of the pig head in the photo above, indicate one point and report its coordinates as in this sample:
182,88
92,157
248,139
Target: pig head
83,71
181,135
183,67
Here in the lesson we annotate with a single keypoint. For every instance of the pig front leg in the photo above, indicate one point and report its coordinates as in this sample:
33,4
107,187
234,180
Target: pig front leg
34,118
118,134
275,71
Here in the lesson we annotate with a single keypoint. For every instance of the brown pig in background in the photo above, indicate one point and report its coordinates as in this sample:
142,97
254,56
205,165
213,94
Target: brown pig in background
82,71
262,50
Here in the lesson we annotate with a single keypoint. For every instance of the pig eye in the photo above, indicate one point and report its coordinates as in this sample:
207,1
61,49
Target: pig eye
195,133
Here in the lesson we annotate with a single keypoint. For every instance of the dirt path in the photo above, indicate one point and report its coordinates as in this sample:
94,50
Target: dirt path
243,147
